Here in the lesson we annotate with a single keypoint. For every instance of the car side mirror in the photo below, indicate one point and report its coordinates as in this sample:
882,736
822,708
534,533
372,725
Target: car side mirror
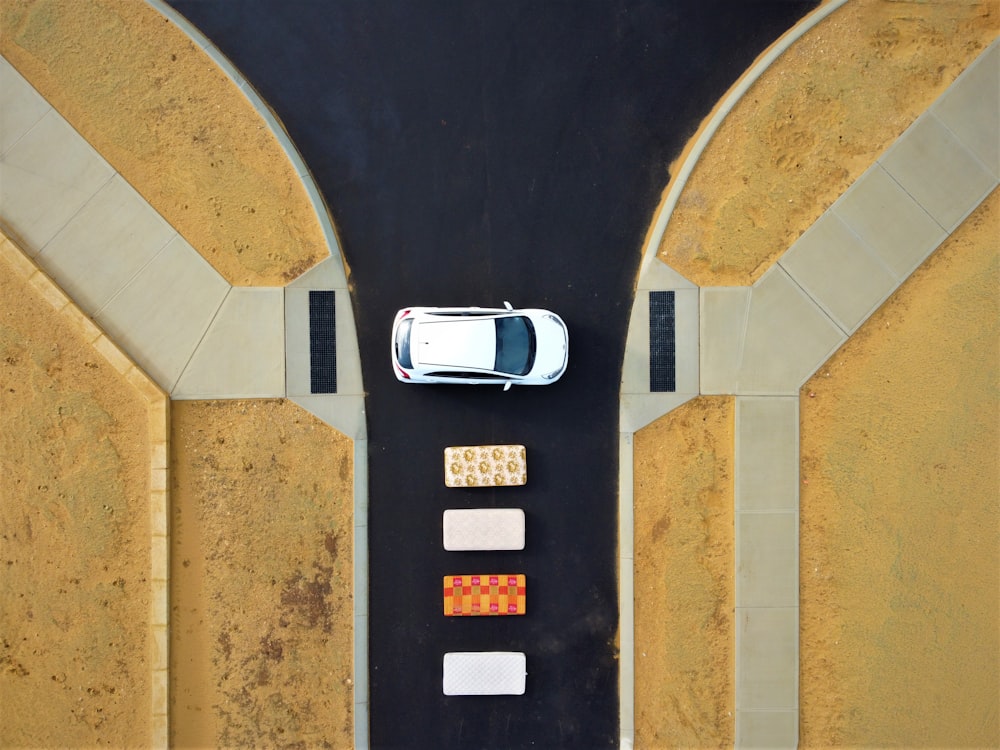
507,385
508,305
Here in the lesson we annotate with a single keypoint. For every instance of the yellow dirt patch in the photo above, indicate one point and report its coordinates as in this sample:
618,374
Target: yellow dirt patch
684,593
900,506
261,577
74,524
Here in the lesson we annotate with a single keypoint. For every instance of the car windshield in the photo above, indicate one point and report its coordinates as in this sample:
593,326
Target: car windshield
403,343
515,345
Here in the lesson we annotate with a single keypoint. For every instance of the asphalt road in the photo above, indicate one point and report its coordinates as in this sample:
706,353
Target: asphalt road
470,153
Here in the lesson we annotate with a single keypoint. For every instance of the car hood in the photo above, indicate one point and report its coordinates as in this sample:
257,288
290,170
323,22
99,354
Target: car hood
553,344
456,343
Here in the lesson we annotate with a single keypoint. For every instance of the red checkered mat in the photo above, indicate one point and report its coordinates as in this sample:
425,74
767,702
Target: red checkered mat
494,594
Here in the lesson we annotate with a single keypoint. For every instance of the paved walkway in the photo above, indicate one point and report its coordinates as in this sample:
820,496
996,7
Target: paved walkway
199,337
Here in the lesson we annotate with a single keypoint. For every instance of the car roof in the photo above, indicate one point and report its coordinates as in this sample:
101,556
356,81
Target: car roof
465,343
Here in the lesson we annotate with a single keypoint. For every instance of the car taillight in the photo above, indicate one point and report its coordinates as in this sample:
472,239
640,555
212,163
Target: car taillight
403,314
403,372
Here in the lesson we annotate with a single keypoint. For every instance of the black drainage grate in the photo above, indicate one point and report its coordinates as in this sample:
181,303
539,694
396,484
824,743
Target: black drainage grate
322,342
662,350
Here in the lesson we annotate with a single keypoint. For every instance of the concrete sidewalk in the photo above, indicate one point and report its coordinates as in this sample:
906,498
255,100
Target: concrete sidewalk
762,343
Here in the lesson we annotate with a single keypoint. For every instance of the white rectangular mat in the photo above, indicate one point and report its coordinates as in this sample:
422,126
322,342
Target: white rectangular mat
483,529
484,673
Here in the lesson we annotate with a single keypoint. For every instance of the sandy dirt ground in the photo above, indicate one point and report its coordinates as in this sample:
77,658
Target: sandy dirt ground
74,525
247,619
900,556
261,611
684,596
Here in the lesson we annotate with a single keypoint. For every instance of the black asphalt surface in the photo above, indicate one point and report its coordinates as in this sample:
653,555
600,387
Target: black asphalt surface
472,152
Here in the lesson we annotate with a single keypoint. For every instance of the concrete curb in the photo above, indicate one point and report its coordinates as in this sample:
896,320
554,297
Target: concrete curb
158,414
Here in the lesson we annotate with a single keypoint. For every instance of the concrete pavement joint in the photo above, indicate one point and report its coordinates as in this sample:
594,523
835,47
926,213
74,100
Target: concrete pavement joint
75,214
816,303
133,277
201,338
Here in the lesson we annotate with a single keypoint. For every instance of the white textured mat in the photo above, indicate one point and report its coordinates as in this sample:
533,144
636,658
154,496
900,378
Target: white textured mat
483,529
484,673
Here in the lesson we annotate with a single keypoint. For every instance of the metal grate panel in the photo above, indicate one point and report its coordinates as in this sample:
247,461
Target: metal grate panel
662,348
322,342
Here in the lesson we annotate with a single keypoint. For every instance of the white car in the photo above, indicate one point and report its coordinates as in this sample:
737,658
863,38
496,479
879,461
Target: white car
479,346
